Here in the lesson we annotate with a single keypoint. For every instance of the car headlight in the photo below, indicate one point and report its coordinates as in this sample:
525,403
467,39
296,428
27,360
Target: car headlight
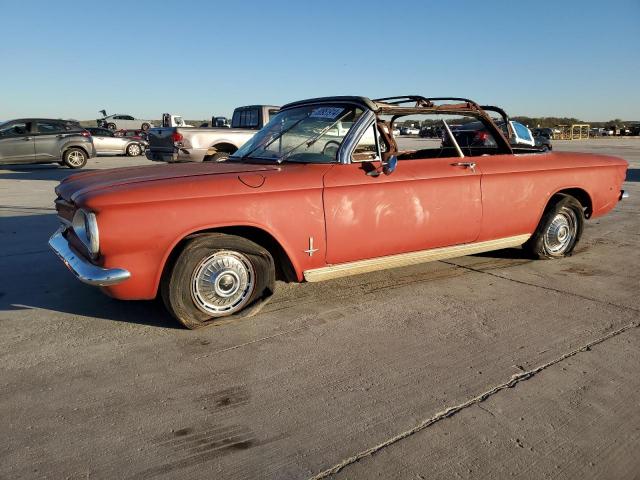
85,226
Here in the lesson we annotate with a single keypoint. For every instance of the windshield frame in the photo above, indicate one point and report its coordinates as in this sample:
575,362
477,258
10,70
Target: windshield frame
348,143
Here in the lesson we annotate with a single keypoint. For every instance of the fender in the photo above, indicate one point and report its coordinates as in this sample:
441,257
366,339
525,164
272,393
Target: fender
213,227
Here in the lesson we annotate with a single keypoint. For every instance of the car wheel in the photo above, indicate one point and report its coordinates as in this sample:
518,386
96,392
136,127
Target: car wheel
75,158
218,157
111,126
559,230
217,275
133,150
146,126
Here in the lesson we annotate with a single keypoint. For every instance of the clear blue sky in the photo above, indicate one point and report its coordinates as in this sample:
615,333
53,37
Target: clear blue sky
198,58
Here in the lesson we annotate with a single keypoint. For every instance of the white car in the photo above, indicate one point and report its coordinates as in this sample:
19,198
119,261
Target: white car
124,122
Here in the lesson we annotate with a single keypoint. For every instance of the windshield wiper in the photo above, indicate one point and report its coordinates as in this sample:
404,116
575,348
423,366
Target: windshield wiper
293,125
314,139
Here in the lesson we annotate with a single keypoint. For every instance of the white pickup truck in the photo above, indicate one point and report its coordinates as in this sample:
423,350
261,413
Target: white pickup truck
189,144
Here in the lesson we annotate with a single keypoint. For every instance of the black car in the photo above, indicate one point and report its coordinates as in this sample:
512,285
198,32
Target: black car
543,132
45,140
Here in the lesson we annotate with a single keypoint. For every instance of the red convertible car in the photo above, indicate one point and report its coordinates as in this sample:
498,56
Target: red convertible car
320,192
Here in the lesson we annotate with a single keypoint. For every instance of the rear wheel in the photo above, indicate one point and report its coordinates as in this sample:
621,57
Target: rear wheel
218,157
111,126
559,230
133,150
217,275
75,158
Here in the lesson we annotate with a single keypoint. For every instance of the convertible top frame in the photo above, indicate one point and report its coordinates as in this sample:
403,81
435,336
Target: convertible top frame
396,106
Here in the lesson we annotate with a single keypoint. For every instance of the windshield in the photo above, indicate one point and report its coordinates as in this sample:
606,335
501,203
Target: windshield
307,134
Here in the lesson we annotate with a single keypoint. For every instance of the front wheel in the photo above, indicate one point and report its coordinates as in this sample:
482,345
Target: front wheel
75,158
217,275
111,126
145,126
559,230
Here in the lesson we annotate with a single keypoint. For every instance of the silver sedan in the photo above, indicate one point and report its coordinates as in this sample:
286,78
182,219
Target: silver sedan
107,143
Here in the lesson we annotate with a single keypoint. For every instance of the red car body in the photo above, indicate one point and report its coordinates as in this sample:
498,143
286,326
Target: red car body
318,216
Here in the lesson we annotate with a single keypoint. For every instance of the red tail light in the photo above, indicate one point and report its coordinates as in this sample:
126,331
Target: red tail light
86,133
177,137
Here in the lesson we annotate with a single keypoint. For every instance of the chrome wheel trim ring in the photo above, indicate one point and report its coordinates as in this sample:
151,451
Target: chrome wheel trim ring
134,150
75,158
222,283
561,232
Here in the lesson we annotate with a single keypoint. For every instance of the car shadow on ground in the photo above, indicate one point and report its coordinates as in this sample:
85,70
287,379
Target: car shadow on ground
506,253
34,278
49,171
633,175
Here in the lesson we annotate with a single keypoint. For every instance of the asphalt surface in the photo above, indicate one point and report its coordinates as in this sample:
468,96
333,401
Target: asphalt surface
488,366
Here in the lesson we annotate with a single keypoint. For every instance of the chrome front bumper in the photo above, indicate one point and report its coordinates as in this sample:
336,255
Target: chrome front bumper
81,268
623,195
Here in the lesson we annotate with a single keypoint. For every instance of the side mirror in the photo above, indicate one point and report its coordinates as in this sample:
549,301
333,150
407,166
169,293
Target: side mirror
390,165
387,167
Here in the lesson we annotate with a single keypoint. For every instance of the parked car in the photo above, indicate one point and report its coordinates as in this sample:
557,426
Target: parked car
176,144
431,132
108,143
319,193
543,132
45,140
120,121
409,131
220,122
169,120
136,134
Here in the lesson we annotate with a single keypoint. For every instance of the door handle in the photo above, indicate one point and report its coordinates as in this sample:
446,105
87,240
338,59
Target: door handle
471,165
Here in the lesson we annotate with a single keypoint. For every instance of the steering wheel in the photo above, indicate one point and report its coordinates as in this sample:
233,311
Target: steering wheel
330,148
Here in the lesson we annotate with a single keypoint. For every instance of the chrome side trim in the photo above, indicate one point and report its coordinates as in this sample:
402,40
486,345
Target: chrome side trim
83,269
405,259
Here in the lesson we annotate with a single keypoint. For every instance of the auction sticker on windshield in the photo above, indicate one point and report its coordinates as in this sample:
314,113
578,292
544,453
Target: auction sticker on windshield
326,112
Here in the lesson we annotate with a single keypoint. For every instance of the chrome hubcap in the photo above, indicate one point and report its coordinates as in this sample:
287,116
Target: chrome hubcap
561,232
222,283
134,150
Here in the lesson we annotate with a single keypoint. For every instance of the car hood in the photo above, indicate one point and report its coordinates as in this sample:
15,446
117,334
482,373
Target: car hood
87,182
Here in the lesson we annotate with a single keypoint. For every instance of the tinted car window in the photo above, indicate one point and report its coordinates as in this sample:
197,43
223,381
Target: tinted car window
245,119
15,129
49,127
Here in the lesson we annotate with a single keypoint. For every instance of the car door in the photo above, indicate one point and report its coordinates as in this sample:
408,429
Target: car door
127,122
106,141
16,142
423,204
47,138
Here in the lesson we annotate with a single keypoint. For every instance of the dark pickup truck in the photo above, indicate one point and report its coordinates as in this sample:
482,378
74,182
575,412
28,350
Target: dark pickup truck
188,144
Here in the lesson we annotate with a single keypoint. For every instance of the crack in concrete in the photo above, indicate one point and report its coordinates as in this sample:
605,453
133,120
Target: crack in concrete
450,411
551,289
